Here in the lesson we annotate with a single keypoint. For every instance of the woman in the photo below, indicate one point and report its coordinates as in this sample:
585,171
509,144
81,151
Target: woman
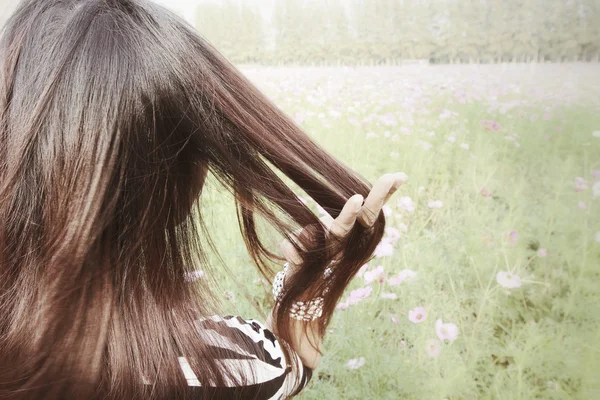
112,113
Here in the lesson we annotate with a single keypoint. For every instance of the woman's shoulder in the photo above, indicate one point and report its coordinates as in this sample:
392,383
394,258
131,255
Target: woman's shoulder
249,346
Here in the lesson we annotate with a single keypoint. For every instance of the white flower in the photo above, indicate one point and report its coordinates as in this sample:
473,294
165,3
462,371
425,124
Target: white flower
446,331
465,146
433,348
406,203
407,274
426,145
355,363
508,280
596,189
387,210
596,134
389,296
417,315
435,204
392,234
598,237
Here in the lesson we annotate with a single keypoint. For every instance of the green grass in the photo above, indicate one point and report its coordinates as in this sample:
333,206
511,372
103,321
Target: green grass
539,341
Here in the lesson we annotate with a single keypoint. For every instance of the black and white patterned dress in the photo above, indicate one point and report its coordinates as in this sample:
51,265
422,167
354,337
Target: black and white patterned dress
271,377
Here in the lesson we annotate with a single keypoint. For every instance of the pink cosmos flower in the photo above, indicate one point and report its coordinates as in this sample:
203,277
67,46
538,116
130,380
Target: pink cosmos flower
394,281
485,193
446,331
403,276
417,315
596,173
513,237
580,184
362,270
359,294
582,205
433,348
384,249
355,297
490,125
374,274
542,252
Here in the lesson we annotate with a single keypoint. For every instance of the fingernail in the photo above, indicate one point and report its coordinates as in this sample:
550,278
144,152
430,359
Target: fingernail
358,201
401,177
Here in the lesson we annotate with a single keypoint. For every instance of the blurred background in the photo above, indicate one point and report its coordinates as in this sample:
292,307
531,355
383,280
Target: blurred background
486,285
392,31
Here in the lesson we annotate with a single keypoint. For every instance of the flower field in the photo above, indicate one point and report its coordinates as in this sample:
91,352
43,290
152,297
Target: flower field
487,283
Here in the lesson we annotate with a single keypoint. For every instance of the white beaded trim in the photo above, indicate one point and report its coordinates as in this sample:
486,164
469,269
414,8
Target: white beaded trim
307,311
300,310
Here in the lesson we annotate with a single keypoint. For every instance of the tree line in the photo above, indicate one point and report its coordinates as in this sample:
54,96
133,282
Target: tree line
393,31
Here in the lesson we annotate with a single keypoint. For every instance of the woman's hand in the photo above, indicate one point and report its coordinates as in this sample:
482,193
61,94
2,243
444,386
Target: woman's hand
307,343
354,210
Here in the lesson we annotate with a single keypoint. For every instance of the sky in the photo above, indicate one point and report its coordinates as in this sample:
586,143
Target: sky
187,8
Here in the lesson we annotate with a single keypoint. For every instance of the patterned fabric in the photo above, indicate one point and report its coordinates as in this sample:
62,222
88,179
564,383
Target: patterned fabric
271,378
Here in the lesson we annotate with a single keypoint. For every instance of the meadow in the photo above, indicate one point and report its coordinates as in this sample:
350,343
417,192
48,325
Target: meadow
487,283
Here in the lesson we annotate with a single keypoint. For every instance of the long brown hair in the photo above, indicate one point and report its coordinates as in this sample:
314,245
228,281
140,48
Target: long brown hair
110,113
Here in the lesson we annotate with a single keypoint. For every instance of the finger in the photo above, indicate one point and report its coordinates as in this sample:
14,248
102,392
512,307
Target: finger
374,200
401,179
382,190
347,217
